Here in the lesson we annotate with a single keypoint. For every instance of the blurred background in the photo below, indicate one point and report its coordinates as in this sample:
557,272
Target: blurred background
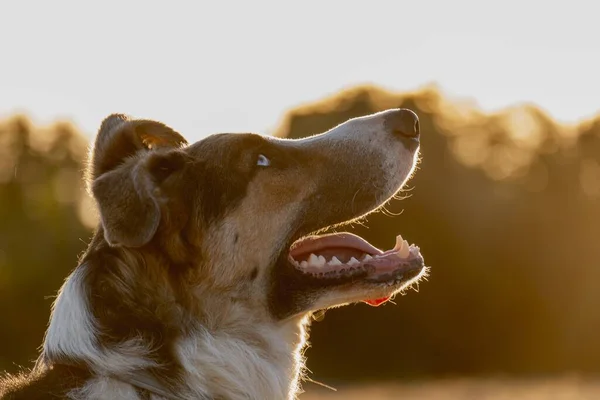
505,204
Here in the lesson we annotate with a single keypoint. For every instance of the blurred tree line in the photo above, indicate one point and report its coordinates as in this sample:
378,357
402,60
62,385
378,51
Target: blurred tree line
505,208
43,228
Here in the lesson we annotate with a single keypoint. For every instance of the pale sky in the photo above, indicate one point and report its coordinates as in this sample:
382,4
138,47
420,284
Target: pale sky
215,66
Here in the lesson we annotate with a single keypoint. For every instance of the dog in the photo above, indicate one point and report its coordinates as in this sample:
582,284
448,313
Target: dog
201,278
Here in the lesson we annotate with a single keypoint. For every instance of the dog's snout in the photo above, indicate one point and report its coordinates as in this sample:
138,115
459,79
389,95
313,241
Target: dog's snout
403,122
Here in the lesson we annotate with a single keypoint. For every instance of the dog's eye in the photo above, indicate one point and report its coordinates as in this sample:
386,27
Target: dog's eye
263,161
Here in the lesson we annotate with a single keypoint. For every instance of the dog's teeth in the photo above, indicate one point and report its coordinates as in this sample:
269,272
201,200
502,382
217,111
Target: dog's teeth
303,264
405,250
321,261
399,243
313,260
367,257
334,261
353,261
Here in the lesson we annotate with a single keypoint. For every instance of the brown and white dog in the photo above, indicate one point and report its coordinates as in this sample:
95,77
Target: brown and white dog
203,273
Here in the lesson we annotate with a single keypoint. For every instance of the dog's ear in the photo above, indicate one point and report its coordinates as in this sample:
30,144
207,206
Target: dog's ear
120,137
125,173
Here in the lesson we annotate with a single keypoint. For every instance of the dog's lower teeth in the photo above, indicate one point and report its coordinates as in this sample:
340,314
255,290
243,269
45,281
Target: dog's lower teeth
353,261
334,261
316,261
367,257
399,243
405,250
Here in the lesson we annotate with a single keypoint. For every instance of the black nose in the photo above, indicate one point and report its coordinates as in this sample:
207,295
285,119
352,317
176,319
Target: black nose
403,122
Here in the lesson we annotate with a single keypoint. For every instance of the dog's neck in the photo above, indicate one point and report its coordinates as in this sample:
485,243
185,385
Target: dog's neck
227,365
231,364
229,355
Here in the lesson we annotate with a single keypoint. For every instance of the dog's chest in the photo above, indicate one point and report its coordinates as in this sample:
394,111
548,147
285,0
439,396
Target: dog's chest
231,367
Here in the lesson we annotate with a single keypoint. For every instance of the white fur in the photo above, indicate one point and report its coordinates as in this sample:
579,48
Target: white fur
72,329
72,332
104,388
227,366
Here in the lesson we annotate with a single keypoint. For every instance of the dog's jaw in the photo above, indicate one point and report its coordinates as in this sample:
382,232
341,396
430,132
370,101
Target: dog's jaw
370,159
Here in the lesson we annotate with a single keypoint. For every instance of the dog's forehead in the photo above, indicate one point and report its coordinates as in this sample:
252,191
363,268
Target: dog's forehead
220,143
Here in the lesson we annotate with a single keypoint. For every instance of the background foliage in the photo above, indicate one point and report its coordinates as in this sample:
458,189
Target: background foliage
505,208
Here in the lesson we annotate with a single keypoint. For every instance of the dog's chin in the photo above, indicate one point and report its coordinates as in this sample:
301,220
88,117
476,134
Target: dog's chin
331,270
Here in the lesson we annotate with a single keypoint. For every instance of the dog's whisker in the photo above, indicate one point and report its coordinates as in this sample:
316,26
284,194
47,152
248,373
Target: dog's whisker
321,384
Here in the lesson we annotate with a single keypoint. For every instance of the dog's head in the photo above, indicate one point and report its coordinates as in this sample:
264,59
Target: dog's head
233,216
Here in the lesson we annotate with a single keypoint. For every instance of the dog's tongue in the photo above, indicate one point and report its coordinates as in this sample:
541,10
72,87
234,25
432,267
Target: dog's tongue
376,302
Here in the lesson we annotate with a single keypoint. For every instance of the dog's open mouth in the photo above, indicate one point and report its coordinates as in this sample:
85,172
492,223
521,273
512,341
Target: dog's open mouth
345,257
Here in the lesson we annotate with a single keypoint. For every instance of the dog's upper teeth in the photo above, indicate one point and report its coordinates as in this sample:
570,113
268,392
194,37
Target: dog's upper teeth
353,261
334,261
367,257
404,250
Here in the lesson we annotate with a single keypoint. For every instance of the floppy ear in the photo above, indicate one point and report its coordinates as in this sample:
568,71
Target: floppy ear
121,177
120,137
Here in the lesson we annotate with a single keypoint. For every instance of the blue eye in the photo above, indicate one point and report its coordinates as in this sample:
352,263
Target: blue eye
263,161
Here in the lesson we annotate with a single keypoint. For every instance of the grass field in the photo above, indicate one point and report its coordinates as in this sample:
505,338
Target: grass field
554,389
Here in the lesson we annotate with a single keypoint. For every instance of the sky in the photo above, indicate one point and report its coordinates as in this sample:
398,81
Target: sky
222,66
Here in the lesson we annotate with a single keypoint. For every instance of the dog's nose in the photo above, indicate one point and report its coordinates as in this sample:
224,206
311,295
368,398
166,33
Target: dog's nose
403,122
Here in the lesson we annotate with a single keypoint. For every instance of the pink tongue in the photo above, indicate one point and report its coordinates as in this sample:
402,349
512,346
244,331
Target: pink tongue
377,302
